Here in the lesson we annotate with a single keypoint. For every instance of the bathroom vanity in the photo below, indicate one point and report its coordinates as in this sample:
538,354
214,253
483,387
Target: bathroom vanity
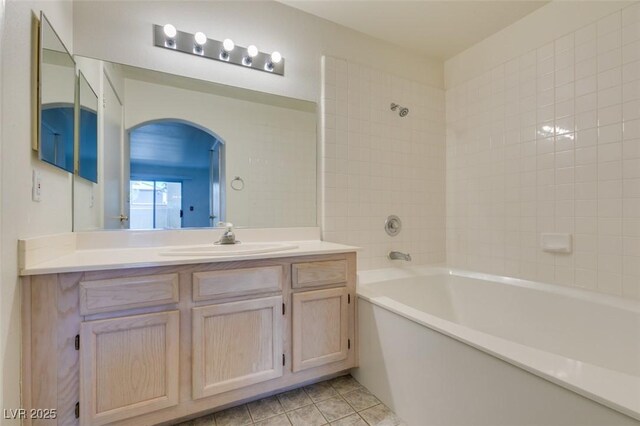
152,342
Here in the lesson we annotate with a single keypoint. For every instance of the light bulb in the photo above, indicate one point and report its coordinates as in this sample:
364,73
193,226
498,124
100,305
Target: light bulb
276,57
252,51
200,38
170,31
228,45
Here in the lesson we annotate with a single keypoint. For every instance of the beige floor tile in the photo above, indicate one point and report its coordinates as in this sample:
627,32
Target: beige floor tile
279,420
361,399
334,408
265,408
344,384
352,420
294,399
320,391
236,416
306,416
205,421
380,415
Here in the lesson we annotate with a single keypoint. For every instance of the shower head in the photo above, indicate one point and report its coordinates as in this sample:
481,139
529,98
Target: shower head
403,111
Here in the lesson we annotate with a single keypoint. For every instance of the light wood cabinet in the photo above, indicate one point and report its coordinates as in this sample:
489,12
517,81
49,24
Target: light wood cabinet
320,327
146,346
128,366
236,344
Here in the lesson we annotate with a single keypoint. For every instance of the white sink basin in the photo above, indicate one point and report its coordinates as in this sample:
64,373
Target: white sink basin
229,249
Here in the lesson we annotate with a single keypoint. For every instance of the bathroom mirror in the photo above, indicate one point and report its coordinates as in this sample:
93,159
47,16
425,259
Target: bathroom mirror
175,152
56,99
88,130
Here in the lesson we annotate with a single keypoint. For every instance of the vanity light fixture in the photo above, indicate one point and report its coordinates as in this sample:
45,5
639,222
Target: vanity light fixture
252,52
275,58
200,39
168,37
170,33
227,46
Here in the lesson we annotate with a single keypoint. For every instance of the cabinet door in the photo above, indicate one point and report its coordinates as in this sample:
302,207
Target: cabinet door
320,327
128,366
236,344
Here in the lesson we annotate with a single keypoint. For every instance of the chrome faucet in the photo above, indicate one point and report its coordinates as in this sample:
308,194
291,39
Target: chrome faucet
228,237
397,255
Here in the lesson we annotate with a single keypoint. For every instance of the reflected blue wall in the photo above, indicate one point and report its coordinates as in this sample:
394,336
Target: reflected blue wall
56,136
88,161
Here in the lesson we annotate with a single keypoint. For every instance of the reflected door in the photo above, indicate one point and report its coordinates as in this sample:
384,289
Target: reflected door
156,204
115,211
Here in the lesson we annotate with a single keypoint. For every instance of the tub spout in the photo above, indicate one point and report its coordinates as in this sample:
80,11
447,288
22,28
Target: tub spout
396,255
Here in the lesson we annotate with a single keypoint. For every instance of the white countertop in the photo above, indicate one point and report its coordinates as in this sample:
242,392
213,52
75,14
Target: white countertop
123,258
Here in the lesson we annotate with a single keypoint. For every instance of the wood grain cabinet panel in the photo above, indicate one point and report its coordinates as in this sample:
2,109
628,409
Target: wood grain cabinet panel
128,366
236,344
236,282
320,327
118,294
314,274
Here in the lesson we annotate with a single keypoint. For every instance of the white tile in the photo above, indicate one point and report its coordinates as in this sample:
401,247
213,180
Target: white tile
586,51
609,96
631,52
609,115
631,14
631,110
610,78
611,170
631,91
609,133
609,23
609,41
631,129
630,33
610,59
586,120
586,33
631,72
588,85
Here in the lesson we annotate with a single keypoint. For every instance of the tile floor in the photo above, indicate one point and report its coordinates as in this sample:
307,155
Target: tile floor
341,402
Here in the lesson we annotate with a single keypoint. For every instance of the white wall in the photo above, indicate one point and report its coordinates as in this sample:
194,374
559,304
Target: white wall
273,149
122,32
549,141
22,218
2,327
375,163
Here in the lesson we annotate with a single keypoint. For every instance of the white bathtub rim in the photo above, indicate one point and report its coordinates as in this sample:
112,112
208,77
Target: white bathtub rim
386,274
610,388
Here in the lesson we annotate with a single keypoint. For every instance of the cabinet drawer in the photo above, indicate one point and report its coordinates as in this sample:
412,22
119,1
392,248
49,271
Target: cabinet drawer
312,274
236,282
117,294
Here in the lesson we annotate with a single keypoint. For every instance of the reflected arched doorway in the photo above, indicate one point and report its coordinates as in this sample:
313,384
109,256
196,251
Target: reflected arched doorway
176,176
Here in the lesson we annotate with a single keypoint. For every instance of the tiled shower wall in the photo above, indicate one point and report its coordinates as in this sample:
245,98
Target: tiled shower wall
550,142
376,163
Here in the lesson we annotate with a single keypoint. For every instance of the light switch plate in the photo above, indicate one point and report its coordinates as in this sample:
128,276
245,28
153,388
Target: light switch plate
36,186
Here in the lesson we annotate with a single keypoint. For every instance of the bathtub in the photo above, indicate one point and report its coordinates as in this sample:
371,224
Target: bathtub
449,347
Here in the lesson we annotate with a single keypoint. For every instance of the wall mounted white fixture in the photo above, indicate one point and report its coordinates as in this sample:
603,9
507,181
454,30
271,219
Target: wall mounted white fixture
556,243
168,37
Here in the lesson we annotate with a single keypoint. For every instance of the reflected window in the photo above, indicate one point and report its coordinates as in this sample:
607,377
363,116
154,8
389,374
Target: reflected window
156,205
